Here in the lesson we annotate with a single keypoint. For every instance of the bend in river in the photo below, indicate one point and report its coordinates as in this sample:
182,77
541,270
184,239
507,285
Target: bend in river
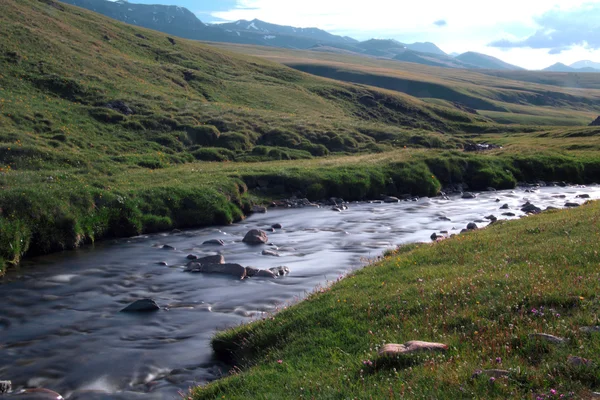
60,325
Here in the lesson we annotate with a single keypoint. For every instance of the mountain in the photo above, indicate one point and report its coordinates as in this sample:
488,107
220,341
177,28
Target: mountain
486,62
433,60
559,67
426,47
585,64
580,66
258,26
180,21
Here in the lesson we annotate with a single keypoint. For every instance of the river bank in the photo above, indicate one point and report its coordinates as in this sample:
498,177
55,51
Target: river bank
517,305
61,210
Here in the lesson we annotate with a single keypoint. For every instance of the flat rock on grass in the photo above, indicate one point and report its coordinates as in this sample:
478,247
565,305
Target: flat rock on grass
415,346
547,338
491,373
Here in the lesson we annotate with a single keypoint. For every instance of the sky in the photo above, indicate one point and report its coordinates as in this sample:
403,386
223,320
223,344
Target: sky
533,34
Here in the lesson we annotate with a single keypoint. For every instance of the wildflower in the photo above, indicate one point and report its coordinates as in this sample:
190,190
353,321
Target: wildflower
279,361
492,379
552,392
498,360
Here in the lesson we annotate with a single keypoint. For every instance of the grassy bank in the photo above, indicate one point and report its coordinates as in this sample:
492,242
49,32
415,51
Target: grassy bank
63,209
482,293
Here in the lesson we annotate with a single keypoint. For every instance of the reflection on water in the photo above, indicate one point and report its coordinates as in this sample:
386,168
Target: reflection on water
60,325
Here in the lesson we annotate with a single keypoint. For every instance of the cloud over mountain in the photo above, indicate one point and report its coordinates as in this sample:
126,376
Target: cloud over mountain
562,29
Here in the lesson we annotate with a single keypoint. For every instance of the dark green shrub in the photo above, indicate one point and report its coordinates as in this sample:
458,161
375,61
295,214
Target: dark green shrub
234,141
106,115
204,135
155,223
213,154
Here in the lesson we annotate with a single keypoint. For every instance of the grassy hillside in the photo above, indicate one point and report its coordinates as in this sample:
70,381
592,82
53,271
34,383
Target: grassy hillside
505,97
484,294
62,65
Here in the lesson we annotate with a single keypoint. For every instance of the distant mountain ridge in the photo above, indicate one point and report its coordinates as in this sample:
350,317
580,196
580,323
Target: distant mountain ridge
580,66
179,21
257,25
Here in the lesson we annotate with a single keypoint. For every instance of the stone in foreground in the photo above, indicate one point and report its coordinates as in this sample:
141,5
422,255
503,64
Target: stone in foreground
5,386
415,346
548,338
579,361
143,305
256,236
491,373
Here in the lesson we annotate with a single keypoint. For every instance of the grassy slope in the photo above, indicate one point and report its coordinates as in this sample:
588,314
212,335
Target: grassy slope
504,97
61,64
482,293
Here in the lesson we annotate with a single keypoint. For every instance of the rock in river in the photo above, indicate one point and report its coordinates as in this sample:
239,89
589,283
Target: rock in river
529,208
215,242
259,210
276,226
143,305
468,195
472,226
5,386
270,253
256,236
225,269
196,265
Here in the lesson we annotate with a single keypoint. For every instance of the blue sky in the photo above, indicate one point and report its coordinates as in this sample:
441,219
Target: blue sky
529,33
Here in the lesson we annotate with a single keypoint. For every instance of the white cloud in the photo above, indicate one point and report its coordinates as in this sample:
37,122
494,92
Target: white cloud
471,24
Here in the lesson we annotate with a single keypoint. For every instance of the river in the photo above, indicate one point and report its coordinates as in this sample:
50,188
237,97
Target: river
60,325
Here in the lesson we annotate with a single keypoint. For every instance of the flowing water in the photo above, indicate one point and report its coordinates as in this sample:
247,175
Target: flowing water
60,325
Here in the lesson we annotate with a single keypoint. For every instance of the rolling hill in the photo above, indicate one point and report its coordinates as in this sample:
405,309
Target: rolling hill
484,61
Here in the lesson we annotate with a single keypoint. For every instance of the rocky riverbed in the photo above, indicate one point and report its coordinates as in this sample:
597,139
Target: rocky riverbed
60,322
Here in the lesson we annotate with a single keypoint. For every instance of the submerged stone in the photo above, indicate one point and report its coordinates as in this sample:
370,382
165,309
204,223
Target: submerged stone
143,305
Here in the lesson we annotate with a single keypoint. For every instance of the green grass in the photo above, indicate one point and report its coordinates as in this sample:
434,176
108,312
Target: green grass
481,293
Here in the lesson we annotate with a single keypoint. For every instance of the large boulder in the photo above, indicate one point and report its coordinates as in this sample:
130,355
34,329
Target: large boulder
256,236
469,195
143,305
